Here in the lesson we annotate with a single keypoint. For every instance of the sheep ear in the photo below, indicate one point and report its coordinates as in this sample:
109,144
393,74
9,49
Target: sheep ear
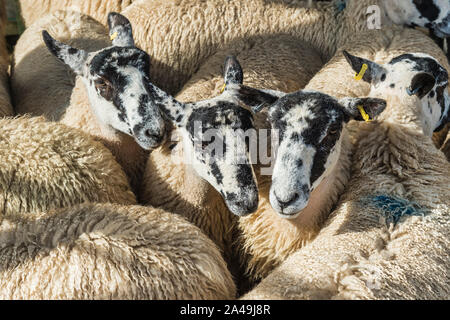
373,69
233,71
73,57
120,30
363,108
255,98
421,84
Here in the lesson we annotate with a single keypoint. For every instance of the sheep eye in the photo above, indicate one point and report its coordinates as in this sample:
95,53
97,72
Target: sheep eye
104,88
205,144
333,130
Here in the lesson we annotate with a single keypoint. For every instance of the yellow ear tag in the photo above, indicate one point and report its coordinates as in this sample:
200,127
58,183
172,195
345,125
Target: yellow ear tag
361,73
364,115
113,36
223,88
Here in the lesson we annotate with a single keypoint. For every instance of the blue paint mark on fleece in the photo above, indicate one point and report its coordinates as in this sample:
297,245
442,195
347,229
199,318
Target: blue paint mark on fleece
340,5
396,207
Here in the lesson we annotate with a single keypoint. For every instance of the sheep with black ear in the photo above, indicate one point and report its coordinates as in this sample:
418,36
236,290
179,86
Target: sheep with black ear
5,103
310,172
110,100
98,9
106,251
47,165
193,30
389,235
203,171
273,62
335,79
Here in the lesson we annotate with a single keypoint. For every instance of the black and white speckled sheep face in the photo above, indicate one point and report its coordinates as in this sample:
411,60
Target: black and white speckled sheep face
309,125
215,137
117,80
213,133
434,14
414,74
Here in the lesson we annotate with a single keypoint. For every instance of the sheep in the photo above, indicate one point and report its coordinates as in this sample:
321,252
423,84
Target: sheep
267,239
181,34
47,165
204,190
98,9
5,103
109,251
388,238
110,99
292,64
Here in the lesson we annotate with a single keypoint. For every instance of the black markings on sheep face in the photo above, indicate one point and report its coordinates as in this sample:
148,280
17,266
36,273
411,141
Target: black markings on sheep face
309,126
403,70
434,14
215,132
120,94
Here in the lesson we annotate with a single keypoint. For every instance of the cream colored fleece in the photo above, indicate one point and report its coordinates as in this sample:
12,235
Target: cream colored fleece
47,165
106,251
181,34
32,11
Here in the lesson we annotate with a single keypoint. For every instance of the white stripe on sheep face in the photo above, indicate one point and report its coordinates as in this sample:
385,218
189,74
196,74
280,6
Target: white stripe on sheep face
117,79
309,126
412,74
433,14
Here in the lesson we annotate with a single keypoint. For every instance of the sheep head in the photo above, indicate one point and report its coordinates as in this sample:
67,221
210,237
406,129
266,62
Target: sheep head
309,126
116,79
411,75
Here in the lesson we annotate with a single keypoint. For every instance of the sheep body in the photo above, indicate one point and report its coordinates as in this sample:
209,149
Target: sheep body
368,249
181,34
45,88
106,251
51,89
98,9
361,252
47,165
292,63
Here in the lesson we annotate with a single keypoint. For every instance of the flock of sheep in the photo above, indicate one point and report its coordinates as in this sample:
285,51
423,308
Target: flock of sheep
353,210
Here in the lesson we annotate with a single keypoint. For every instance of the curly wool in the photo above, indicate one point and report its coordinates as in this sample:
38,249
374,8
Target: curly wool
362,253
273,62
106,251
51,89
181,34
98,9
47,165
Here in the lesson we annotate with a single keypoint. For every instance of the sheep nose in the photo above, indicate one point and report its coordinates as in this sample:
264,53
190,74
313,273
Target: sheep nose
286,203
157,138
